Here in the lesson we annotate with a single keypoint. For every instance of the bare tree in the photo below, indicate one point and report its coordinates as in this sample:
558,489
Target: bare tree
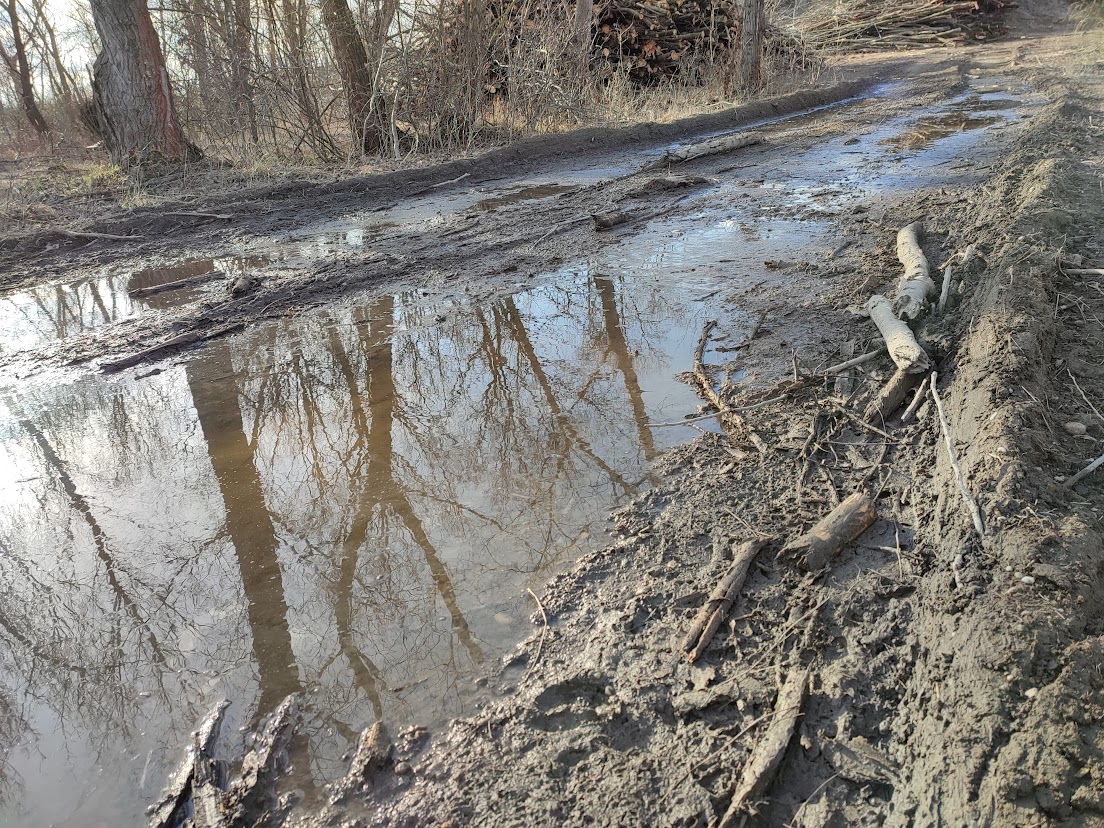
352,64
20,69
132,102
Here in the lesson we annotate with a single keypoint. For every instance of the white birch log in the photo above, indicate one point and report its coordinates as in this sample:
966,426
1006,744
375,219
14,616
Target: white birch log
916,284
904,350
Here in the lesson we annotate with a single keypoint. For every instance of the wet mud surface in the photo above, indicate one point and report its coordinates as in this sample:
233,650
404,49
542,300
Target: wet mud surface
422,409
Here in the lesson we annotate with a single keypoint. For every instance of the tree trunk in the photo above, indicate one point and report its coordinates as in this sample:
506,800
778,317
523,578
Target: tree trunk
751,45
21,70
352,63
132,103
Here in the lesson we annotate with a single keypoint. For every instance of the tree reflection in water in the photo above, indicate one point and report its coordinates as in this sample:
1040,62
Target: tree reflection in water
348,505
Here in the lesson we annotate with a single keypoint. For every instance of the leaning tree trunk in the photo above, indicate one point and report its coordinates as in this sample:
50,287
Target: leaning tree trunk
356,77
21,71
751,44
132,102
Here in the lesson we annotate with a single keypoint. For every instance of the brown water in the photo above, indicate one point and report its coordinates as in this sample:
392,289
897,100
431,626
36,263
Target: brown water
351,504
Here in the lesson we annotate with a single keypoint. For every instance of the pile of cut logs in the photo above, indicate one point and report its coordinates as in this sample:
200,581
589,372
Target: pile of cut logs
652,39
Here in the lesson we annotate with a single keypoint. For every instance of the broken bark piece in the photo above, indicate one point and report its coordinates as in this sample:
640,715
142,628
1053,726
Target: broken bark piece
714,146
720,601
254,792
839,527
767,754
604,221
663,183
916,284
891,396
168,811
904,350
372,754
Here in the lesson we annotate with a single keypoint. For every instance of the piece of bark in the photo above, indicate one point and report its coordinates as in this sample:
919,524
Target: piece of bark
605,221
767,754
254,791
916,284
904,350
168,811
836,529
720,601
372,754
714,146
891,396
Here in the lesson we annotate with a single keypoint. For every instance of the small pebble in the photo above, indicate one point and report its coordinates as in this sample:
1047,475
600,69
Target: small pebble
403,768
1075,428
1027,579
1031,692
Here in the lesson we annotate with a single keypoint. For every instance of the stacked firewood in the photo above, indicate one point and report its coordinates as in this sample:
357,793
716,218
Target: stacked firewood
879,25
653,39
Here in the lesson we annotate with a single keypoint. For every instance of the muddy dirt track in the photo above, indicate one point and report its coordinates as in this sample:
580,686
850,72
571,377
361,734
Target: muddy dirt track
954,678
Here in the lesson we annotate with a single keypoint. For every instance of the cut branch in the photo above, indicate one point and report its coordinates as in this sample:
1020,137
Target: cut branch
839,527
710,616
916,284
904,350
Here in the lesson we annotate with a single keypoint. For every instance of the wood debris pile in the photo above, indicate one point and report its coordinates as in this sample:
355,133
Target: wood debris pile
652,39
885,25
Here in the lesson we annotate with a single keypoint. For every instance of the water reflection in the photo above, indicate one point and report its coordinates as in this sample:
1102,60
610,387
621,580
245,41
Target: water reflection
349,505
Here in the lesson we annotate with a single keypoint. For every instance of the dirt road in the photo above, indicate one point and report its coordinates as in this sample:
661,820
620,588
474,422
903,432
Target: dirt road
954,676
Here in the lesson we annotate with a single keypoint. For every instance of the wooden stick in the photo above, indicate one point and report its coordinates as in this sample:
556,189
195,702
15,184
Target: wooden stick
221,216
713,612
971,504
734,425
544,630
891,396
1086,271
167,286
904,350
178,341
74,234
1085,472
767,754
839,527
714,146
851,363
917,398
945,290
916,284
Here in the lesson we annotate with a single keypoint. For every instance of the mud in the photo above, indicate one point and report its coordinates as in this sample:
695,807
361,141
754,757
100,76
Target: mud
438,393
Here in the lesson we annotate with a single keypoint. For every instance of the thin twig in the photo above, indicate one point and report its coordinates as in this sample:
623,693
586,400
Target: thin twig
544,631
860,422
851,363
971,504
1085,472
1082,393
916,400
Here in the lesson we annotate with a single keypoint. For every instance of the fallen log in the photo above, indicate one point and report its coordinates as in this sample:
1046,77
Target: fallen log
767,754
839,527
170,810
714,146
916,284
891,396
713,612
904,350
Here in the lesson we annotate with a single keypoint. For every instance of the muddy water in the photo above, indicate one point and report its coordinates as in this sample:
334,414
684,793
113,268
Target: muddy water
351,505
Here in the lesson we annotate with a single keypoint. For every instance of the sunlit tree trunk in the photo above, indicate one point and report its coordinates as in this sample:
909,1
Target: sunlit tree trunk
132,102
751,44
352,64
21,70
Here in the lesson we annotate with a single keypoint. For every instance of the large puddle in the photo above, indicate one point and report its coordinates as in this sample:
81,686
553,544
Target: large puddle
352,504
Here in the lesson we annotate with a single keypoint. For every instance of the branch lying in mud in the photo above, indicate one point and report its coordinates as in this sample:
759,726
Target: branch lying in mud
714,146
1085,472
710,616
904,350
891,396
971,504
178,341
767,754
916,284
82,234
734,425
851,363
839,527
